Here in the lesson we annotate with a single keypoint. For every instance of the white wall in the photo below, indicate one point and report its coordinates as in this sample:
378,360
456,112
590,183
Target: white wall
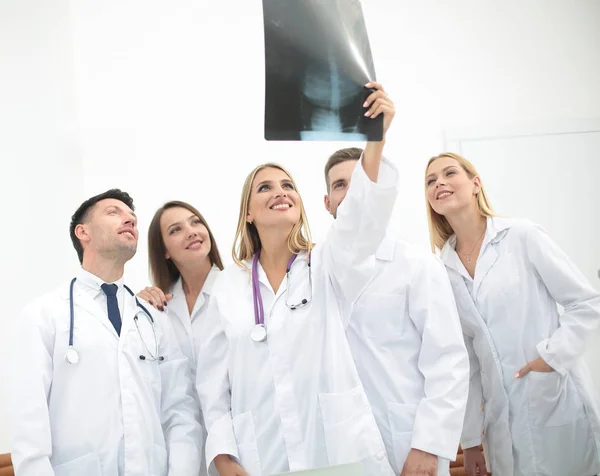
170,96
41,166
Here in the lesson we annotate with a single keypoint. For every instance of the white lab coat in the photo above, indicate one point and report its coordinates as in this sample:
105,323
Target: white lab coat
544,423
295,401
183,324
407,342
110,414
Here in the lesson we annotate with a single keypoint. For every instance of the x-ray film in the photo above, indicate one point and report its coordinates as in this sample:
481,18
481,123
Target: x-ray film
317,60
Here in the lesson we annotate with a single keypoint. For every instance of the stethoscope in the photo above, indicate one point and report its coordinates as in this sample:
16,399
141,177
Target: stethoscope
259,331
72,356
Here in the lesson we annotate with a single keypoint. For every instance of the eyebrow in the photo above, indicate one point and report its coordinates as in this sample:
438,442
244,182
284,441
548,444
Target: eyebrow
115,207
443,170
179,223
264,182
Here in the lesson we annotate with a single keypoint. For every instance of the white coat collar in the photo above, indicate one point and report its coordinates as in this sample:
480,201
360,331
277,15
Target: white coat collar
89,288
177,288
262,276
496,229
213,274
93,283
179,303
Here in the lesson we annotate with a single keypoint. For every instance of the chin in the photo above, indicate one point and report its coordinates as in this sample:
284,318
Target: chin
127,253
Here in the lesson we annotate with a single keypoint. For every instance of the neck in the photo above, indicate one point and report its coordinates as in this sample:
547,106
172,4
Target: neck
194,275
108,271
468,227
275,253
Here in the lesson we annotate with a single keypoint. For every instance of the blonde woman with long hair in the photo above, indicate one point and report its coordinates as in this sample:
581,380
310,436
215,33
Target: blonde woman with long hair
276,380
530,399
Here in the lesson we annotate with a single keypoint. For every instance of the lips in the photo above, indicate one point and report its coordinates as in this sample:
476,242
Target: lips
128,232
443,194
281,206
194,245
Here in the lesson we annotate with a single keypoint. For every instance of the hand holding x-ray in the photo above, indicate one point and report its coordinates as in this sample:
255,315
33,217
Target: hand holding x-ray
318,60
379,103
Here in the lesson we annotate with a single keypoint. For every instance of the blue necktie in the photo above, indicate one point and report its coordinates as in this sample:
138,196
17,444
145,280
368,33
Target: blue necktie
112,305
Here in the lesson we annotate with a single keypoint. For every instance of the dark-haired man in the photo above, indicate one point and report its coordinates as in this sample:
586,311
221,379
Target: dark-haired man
101,387
406,340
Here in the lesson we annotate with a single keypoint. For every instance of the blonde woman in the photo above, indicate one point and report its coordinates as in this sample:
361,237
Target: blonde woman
276,380
530,397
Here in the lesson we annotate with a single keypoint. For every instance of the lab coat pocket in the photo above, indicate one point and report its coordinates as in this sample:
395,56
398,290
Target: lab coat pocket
380,315
504,278
351,433
141,348
151,374
245,437
159,461
553,400
402,421
88,464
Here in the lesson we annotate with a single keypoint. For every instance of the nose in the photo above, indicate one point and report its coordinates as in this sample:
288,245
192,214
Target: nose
281,192
192,232
131,221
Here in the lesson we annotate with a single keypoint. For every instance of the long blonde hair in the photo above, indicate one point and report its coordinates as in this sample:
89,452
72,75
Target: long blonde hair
247,242
439,228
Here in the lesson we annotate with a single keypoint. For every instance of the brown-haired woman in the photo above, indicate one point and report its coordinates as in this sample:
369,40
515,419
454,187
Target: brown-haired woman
184,263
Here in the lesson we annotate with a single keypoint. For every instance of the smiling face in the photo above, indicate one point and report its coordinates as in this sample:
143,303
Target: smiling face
110,230
449,188
274,201
185,237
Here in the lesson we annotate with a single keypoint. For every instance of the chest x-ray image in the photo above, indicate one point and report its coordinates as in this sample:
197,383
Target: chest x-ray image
317,61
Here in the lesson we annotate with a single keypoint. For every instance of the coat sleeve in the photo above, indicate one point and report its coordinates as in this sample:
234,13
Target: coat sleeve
360,226
473,425
212,383
443,361
32,380
180,414
568,287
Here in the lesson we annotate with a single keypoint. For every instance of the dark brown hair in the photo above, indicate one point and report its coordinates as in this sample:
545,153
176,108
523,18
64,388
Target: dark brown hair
164,272
339,156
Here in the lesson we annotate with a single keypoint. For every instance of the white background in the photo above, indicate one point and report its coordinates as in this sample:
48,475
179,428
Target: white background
165,100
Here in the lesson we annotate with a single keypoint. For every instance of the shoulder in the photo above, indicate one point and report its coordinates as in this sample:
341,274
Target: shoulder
415,256
517,228
231,275
411,262
47,305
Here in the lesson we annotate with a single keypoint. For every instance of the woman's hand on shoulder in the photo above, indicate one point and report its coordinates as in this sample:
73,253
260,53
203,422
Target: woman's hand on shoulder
155,297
